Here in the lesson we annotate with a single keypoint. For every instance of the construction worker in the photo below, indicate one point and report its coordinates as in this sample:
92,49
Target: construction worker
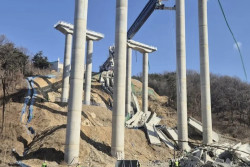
44,164
177,163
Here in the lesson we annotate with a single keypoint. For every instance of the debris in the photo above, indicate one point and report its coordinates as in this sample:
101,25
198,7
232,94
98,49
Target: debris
165,139
154,120
152,134
171,133
223,155
21,164
197,126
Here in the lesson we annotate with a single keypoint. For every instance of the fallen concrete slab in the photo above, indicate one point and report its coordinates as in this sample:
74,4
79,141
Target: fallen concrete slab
171,133
133,122
152,134
197,126
165,139
243,151
153,119
135,101
138,120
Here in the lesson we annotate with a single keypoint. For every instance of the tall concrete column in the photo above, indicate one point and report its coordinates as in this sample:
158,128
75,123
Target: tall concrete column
87,91
118,114
145,83
76,83
181,75
128,80
66,67
204,74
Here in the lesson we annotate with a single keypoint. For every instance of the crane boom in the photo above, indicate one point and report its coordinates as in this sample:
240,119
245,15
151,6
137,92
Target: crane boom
141,19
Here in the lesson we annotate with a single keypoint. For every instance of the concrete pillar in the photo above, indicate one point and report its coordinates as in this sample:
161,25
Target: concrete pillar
76,83
87,91
66,67
128,80
204,73
145,83
181,75
118,114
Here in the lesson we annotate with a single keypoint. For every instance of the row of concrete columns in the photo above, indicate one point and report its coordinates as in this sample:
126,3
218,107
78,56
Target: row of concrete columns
181,74
76,79
68,30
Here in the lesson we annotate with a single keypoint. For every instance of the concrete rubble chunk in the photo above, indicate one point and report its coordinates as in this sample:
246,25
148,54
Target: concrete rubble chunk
243,151
154,120
152,134
218,155
165,139
198,153
171,133
197,126
138,120
136,104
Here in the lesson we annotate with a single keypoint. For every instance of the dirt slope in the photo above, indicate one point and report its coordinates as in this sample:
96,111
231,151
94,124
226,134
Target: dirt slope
49,123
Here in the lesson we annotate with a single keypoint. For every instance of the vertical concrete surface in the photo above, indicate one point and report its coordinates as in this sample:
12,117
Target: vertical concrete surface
87,91
118,114
128,80
76,83
66,67
181,75
145,83
204,73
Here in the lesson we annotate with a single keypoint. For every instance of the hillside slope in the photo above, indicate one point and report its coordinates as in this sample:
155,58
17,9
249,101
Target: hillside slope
49,123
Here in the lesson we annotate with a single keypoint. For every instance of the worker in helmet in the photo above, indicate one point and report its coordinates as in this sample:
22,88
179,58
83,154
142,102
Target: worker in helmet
44,164
177,163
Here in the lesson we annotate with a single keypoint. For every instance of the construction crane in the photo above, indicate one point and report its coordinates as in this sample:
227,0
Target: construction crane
144,15
138,23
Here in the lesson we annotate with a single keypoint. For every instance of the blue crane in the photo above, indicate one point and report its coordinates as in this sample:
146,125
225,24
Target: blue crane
144,15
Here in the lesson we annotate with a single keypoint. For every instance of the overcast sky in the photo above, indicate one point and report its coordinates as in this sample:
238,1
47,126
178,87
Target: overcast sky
29,23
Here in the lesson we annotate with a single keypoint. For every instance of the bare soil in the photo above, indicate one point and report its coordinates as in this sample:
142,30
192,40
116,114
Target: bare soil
49,123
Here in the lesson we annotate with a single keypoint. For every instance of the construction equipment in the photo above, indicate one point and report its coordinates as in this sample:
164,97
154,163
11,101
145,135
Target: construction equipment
144,15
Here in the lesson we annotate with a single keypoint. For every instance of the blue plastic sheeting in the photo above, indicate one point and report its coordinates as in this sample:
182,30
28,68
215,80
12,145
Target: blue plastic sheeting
45,76
22,164
30,116
31,96
27,99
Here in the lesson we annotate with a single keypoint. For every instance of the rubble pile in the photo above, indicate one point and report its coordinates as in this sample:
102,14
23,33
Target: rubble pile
223,155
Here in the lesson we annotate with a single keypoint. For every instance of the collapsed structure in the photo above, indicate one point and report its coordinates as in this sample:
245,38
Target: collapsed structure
118,86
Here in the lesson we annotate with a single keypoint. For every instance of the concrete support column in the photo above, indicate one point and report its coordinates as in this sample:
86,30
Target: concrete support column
204,73
128,80
145,83
66,67
76,83
87,91
181,75
118,114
